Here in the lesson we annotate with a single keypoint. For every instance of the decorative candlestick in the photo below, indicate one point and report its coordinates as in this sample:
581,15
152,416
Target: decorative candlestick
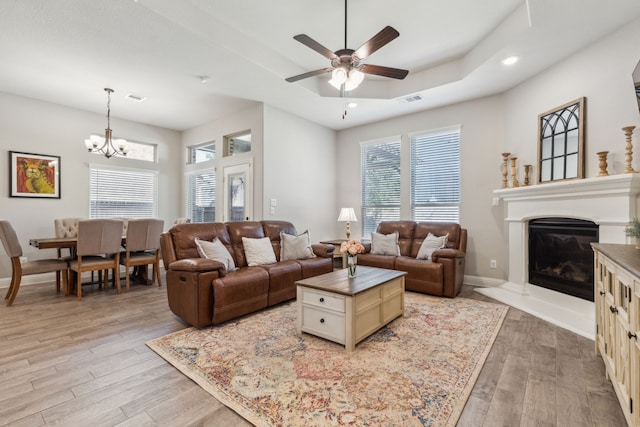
602,156
514,180
505,158
527,169
628,131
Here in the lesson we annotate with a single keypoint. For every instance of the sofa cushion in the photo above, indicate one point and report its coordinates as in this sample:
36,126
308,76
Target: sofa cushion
405,231
295,247
258,251
431,244
215,250
385,244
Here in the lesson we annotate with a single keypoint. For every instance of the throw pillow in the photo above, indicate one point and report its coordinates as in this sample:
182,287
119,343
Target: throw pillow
258,251
215,250
385,244
295,247
431,244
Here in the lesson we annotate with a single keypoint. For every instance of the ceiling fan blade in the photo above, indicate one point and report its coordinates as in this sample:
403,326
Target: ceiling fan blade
311,43
385,35
378,70
308,74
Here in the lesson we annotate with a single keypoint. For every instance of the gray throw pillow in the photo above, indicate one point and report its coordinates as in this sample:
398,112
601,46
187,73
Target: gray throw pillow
431,244
258,251
215,250
385,244
295,247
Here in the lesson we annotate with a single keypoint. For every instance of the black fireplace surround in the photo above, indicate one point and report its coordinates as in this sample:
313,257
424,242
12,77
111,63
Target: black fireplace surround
560,255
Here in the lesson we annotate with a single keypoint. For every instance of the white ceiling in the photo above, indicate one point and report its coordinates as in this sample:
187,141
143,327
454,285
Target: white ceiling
67,51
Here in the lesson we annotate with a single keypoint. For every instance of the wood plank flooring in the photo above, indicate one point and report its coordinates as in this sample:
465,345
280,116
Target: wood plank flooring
85,363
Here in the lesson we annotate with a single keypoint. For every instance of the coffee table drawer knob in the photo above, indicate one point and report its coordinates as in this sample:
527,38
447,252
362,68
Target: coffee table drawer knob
321,320
321,299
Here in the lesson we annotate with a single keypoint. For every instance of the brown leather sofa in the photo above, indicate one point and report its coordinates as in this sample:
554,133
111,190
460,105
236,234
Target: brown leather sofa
200,290
442,275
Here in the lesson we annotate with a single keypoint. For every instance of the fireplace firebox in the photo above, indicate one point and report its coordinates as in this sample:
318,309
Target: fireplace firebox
560,255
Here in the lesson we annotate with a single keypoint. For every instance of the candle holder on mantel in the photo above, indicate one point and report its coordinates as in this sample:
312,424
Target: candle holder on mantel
602,157
514,180
628,151
505,169
527,169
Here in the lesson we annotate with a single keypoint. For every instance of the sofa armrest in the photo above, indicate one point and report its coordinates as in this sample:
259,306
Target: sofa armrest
447,253
198,265
322,250
367,247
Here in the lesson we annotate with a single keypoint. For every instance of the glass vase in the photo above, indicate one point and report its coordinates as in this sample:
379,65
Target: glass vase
352,264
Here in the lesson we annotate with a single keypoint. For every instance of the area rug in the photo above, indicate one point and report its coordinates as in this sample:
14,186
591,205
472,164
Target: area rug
417,371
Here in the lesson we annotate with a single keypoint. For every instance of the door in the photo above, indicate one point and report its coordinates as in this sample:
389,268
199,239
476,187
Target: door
238,190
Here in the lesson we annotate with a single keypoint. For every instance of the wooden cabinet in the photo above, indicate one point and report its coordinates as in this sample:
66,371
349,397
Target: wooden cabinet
617,301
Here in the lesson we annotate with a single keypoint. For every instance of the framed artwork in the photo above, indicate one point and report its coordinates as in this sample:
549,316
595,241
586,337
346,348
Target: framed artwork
34,175
561,142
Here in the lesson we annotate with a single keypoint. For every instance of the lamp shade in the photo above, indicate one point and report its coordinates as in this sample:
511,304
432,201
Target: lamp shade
347,214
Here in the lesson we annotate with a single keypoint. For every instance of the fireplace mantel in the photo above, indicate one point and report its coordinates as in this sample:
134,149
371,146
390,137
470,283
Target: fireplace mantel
609,201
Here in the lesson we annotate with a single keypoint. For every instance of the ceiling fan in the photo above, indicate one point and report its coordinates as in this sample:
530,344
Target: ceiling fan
346,68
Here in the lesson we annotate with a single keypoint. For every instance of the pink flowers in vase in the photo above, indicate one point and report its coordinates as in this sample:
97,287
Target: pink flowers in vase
351,247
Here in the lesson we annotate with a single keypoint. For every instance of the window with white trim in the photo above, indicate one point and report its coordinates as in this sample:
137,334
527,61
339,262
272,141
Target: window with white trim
201,152
435,175
201,196
380,183
122,192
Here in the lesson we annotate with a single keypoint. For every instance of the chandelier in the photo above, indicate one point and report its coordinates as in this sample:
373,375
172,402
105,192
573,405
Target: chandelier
106,145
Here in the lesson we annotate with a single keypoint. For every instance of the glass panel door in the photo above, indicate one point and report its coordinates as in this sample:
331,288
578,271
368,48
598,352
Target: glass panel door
238,193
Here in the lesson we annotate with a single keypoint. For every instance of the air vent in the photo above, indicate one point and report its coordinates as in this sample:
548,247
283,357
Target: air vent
134,97
412,98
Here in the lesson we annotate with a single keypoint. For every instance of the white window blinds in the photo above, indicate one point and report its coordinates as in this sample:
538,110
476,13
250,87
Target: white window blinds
435,175
201,196
380,183
122,192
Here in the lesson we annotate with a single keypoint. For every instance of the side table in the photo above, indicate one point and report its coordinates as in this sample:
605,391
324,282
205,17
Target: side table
336,252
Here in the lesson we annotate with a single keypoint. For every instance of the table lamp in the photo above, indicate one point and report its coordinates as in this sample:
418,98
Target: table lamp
348,215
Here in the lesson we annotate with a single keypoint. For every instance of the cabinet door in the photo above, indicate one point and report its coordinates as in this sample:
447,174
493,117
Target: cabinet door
623,288
634,352
610,316
600,302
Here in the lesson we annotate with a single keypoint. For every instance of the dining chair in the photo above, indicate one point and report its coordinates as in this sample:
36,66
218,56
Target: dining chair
19,269
182,220
66,227
98,248
143,246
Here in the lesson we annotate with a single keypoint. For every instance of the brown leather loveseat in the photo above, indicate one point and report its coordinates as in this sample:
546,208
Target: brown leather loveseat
202,292
442,275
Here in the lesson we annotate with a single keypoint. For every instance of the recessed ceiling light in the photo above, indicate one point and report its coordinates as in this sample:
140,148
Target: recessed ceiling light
510,60
203,79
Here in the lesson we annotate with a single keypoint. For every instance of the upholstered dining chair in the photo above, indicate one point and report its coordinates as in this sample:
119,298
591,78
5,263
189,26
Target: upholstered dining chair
14,251
143,246
65,227
182,220
98,248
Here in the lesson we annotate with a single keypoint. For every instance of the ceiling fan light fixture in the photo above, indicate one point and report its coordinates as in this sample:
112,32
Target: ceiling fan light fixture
353,81
338,77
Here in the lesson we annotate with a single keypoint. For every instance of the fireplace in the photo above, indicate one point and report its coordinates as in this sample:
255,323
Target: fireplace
560,255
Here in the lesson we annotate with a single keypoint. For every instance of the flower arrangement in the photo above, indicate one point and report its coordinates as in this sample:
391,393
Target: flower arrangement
352,248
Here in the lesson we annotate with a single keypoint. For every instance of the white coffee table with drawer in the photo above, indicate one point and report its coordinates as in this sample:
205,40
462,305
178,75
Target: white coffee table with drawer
346,311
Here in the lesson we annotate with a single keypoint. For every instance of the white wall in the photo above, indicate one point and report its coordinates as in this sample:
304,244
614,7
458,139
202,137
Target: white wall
482,129
32,126
215,130
300,173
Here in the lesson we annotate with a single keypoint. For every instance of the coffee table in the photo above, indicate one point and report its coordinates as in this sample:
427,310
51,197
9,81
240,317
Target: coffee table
346,311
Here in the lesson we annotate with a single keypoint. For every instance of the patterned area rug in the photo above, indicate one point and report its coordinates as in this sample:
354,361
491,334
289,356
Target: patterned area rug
417,371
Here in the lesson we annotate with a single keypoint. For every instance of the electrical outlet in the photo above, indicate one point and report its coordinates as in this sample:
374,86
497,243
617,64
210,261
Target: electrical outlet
493,263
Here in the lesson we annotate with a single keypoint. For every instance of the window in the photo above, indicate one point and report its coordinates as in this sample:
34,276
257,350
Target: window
202,153
380,183
435,175
237,143
122,192
201,196
139,151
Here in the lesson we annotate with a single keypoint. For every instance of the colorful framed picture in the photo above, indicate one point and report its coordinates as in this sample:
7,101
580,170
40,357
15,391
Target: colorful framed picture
34,175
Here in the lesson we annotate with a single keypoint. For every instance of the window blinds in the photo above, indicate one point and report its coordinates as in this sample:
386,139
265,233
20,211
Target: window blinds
380,183
435,176
201,196
120,192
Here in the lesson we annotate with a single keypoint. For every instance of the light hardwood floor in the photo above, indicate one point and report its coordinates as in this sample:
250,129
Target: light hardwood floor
85,363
